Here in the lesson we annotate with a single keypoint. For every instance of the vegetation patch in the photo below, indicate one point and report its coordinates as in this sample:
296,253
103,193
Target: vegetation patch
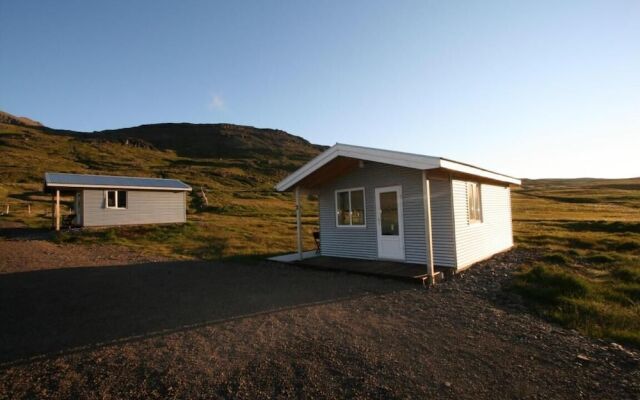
557,258
549,285
600,258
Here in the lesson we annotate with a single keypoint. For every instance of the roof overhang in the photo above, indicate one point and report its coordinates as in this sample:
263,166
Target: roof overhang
408,160
73,187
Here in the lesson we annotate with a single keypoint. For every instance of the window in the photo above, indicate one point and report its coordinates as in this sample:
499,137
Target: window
350,207
475,202
116,199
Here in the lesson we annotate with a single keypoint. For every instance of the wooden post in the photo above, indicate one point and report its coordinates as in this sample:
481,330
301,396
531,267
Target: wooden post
426,191
204,196
299,222
53,210
29,208
57,210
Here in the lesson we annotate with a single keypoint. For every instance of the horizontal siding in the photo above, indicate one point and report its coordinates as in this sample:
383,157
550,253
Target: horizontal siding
442,223
475,242
143,207
362,242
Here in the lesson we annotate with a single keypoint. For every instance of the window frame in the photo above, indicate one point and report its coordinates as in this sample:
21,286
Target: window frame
364,208
106,199
471,193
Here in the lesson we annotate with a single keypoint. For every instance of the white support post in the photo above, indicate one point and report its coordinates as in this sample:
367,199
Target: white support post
57,210
299,222
426,191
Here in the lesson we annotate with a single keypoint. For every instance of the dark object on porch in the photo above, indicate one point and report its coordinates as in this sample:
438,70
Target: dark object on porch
316,238
67,221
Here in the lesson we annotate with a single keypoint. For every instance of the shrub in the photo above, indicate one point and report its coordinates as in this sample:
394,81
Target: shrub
628,246
599,258
549,285
627,274
110,235
556,258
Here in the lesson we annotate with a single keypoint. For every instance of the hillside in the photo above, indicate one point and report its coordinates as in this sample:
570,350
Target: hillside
214,155
6,118
236,166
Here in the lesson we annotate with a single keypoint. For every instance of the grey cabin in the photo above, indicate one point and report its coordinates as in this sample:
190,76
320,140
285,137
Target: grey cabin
388,205
102,200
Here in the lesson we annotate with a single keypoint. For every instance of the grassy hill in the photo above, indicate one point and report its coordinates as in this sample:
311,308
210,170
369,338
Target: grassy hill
585,231
236,166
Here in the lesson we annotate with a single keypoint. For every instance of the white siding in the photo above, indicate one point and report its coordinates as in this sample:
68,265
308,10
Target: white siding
358,242
355,242
475,242
444,249
143,207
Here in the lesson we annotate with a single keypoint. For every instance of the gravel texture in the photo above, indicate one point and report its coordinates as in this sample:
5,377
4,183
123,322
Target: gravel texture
125,327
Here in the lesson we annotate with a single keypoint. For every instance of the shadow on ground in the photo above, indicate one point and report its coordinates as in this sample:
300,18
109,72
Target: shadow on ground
51,311
25,233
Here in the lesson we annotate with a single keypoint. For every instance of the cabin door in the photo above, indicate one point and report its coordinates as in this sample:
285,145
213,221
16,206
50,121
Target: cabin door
389,222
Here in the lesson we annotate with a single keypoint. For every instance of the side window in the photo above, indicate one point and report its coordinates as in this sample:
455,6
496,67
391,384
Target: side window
122,199
350,207
116,199
474,202
111,199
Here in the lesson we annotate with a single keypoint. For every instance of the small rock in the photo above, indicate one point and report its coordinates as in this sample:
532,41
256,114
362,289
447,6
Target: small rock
583,357
447,384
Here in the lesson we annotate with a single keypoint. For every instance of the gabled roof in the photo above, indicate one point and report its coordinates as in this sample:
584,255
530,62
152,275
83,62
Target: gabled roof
61,180
409,160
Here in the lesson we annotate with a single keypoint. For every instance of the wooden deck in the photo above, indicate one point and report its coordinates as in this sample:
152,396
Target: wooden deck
386,269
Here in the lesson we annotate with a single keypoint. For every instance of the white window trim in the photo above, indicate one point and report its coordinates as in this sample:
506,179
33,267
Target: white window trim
475,222
364,204
106,200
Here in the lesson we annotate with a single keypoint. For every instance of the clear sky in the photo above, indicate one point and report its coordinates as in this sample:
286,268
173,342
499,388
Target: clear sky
532,89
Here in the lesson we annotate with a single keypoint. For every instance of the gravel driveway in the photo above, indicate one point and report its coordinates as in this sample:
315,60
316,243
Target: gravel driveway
200,330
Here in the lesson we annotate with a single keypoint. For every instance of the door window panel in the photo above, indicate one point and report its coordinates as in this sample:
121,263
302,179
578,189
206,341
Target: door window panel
389,214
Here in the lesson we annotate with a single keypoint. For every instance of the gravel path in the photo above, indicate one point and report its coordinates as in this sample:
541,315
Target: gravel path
203,330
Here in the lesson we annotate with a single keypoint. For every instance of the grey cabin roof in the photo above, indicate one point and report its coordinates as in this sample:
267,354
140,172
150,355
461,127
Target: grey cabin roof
409,160
62,180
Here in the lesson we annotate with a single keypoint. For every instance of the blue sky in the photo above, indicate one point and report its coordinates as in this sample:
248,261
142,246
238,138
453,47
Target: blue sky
533,89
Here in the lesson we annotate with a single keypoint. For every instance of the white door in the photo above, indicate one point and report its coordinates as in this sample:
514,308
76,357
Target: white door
389,221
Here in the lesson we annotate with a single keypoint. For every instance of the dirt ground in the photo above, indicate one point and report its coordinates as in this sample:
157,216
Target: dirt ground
122,325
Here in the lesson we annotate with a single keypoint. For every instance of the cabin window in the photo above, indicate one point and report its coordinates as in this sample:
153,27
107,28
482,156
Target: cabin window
350,207
116,199
474,202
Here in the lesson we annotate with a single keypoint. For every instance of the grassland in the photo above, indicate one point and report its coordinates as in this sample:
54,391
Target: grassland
586,231
588,235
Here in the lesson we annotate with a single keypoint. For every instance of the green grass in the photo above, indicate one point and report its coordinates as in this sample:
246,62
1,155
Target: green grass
587,233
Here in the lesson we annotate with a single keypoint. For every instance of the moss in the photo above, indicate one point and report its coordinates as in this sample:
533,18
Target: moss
556,258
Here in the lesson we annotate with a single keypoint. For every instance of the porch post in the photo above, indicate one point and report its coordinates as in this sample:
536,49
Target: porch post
299,222
53,210
57,210
426,191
